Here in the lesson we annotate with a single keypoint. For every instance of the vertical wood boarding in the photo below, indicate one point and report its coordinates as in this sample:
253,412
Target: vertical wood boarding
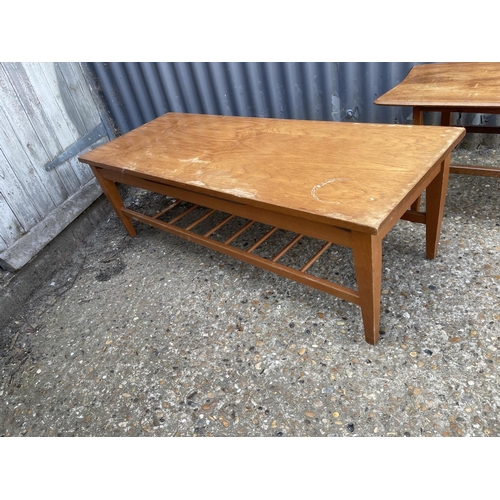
44,109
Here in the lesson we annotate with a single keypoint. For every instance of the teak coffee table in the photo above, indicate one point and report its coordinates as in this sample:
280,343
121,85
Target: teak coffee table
451,88
342,183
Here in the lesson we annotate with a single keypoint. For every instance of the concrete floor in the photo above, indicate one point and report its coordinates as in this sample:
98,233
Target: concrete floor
155,336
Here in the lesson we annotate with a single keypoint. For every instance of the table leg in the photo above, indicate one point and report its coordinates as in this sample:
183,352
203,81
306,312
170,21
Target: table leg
112,194
435,199
418,116
367,254
418,119
445,118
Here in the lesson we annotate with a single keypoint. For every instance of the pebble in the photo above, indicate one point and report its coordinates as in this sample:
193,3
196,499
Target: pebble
309,414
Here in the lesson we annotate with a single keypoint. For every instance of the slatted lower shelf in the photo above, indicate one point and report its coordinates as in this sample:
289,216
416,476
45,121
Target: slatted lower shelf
206,239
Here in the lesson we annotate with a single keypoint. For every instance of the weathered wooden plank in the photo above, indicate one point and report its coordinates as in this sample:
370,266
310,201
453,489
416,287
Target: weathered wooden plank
49,70
18,166
22,127
72,76
13,190
68,104
42,77
63,130
10,228
26,247
41,120
30,83
44,109
78,89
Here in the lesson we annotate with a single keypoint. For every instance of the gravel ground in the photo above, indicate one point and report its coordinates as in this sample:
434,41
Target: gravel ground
156,336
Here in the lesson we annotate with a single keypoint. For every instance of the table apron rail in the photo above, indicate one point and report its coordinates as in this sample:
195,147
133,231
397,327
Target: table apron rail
314,229
454,109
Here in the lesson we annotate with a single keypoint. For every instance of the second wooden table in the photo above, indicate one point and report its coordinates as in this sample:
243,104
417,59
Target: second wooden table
451,88
343,183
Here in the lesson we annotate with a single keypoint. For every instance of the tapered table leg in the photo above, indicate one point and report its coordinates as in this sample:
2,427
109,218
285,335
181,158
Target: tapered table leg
435,199
112,194
445,118
367,254
418,119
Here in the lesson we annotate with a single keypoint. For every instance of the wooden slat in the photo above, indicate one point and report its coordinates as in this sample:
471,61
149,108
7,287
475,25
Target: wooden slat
264,238
35,127
316,256
66,98
10,227
24,248
200,220
414,216
45,115
238,233
45,74
18,191
218,226
44,80
72,78
475,170
80,92
71,118
287,247
179,217
318,283
23,150
164,211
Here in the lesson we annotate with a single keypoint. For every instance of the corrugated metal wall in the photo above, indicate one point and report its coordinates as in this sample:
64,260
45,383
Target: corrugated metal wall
139,92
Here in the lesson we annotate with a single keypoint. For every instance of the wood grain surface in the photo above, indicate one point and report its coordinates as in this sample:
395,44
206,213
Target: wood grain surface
346,174
456,85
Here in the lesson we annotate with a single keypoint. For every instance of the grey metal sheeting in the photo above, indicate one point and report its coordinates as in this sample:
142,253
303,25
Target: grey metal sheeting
137,92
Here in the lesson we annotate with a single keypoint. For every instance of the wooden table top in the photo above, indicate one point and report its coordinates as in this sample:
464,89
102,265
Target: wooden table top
346,174
455,85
